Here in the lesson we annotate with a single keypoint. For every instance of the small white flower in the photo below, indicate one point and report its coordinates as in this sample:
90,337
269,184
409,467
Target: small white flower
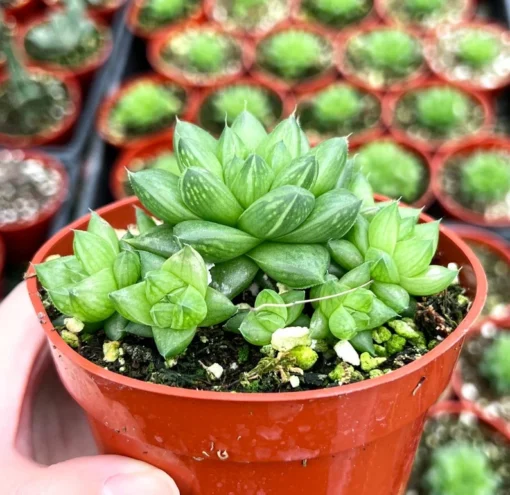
346,352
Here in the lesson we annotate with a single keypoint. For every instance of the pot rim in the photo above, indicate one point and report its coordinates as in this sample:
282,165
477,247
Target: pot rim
96,61
413,80
454,208
156,45
430,45
55,203
75,99
243,397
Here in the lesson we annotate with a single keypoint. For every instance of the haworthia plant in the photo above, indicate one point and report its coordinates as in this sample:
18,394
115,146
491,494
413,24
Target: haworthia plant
297,226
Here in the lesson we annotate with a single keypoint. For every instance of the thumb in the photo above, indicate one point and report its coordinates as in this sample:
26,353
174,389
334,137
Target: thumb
98,475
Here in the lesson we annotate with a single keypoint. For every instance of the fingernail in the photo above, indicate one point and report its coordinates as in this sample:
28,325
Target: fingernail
153,482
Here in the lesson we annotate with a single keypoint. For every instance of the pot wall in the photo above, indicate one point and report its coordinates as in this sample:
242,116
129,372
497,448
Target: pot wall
323,442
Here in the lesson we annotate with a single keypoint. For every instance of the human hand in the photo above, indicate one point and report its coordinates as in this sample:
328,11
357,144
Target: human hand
41,427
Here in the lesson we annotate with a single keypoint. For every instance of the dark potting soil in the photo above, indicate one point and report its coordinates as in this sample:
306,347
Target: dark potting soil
367,118
451,180
447,428
337,20
88,49
151,17
406,118
476,387
34,115
243,370
27,187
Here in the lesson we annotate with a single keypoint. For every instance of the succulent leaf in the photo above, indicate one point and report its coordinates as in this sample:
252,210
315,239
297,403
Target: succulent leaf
103,229
93,252
171,342
127,269
345,253
230,146
433,280
331,156
301,172
191,131
249,129
132,303
159,241
219,308
190,154
383,230
232,277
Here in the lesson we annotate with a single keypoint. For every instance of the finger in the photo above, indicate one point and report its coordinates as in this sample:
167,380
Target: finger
22,357
100,475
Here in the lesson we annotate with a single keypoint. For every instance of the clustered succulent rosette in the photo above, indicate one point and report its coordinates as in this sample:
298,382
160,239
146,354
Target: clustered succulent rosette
495,365
296,226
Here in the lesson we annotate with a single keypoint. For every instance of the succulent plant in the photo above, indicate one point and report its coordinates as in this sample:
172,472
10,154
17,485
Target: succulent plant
158,13
495,365
442,107
252,204
478,48
337,104
252,14
460,468
392,170
485,177
146,106
294,54
337,13
68,37
421,8
202,51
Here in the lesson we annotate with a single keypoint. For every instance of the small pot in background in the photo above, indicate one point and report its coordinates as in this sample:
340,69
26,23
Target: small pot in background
106,13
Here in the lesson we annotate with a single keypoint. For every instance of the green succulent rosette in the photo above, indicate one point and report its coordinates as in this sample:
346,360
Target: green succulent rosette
251,210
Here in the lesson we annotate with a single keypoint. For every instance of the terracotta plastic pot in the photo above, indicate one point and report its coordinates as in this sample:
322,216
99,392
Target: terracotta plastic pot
458,383
287,99
23,239
106,13
83,74
414,80
103,126
157,45
211,14
58,134
146,33
452,207
357,138
23,10
311,84
118,174
433,145
469,84
498,246
215,443
427,198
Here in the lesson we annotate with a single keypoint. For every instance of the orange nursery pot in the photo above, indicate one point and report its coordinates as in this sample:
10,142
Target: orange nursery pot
83,73
449,204
357,439
58,134
22,10
105,12
413,80
309,84
157,45
23,239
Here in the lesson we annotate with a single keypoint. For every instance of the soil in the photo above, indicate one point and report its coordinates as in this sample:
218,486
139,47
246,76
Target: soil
89,49
451,185
34,116
406,118
213,119
475,387
466,428
367,118
312,12
436,316
27,187
175,54
452,11
148,19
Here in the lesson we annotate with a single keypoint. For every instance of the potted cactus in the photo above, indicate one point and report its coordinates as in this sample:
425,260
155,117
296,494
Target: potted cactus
494,253
397,170
150,18
157,154
437,115
482,377
460,453
66,41
34,186
103,9
339,109
275,276
474,55
424,14
142,109
36,107
381,58
472,182
334,14
200,55
228,102
295,56
248,17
